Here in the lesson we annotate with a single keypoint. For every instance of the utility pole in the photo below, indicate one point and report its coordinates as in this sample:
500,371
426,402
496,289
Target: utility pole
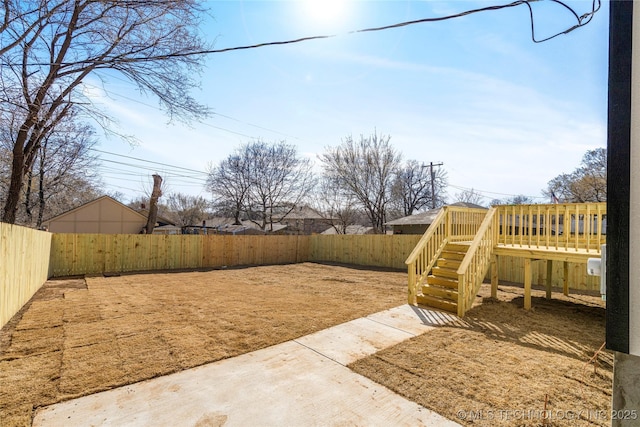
433,184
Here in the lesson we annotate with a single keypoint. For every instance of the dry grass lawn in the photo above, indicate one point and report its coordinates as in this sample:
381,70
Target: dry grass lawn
77,338
503,365
74,340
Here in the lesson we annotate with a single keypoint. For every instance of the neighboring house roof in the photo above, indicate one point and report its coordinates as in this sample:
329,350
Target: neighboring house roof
276,226
417,219
468,205
427,217
94,201
103,215
167,229
218,221
227,225
159,218
351,229
303,212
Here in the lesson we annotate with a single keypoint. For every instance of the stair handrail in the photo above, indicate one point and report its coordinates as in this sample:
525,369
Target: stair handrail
475,263
426,252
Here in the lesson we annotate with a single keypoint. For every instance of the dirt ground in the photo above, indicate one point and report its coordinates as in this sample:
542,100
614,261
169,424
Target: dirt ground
502,365
77,338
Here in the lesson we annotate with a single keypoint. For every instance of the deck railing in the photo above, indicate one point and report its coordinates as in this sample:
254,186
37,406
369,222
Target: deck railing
452,224
561,227
426,253
578,228
475,264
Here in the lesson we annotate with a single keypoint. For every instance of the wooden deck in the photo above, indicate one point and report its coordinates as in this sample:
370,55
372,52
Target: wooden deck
549,255
567,233
546,253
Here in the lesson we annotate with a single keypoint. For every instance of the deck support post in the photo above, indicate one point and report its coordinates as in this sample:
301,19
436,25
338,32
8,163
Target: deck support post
494,276
412,297
565,284
527,283
549,282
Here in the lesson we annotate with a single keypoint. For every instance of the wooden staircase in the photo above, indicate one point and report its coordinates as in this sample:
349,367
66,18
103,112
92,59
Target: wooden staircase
446,268
441,289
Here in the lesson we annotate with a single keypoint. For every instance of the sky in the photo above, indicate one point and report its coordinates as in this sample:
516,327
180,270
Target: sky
504,115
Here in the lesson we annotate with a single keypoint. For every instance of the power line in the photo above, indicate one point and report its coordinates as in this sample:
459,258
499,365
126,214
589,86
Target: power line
110,92
146,161
256,126
492,192
581,20
172,172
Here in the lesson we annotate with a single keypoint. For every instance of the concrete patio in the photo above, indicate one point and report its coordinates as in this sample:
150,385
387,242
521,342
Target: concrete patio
300,382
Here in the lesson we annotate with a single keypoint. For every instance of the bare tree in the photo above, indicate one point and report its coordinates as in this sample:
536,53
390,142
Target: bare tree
263,181
62,175
338,209
519,199
414,184
186,210
229,182
587,183
469,196
365,171
49,48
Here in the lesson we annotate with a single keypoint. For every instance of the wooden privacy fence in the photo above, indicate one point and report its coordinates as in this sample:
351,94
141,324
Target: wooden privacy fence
24,266
378,250
77,254
28,257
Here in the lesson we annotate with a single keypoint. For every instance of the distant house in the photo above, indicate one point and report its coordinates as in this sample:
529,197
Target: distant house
160,220
103,215
351,229
167,229
305,220
418,223
223,225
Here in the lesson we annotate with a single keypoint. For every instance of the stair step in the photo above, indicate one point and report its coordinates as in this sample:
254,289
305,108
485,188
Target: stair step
438,303
457,247
452,255
452,264
442,282
444,272
444,293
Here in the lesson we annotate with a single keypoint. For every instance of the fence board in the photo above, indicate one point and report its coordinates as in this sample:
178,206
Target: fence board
379,250
76,254
24,266
28,256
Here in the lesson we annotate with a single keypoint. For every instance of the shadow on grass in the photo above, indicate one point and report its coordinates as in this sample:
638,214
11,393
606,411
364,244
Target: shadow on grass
563,327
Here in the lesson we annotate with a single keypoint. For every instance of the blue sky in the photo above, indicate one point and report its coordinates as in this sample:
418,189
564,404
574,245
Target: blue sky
504,115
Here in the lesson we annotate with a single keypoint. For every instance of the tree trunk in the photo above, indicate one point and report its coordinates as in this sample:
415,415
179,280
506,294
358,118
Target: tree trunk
236,215
13,195
41,198
27,197
153,204
24,148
